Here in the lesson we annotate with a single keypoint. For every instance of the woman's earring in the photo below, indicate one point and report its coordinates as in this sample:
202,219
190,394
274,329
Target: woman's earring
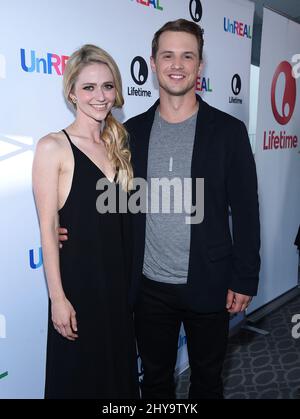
74,100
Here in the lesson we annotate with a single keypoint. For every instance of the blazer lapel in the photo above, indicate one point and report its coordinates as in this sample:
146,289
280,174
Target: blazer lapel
142,143
204,130
203,135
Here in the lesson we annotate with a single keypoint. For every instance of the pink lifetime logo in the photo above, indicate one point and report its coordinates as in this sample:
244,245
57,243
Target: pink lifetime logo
289,97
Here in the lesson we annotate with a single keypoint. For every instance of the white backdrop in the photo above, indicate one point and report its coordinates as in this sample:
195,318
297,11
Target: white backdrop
278,168
34,34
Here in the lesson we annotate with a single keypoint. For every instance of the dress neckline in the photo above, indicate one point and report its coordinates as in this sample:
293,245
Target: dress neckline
90,160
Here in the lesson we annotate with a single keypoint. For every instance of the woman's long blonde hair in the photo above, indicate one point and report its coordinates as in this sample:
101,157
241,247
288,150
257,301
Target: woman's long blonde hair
114,134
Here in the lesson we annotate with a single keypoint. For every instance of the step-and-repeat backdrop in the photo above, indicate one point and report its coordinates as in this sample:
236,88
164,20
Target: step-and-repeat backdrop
277,155
36,39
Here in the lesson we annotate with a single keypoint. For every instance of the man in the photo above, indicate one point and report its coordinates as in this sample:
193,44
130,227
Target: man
194,273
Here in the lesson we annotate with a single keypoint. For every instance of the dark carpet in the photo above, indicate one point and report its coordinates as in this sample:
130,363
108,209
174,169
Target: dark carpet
258,366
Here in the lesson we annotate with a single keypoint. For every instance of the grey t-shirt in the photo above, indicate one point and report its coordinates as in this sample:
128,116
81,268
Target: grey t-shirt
167,244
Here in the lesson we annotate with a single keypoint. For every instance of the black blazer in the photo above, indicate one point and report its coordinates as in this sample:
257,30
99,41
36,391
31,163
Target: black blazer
222,156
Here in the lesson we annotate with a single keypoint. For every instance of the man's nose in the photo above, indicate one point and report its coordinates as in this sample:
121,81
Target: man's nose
177,63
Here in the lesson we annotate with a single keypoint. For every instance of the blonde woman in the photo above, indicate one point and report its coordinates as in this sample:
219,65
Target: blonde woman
91,347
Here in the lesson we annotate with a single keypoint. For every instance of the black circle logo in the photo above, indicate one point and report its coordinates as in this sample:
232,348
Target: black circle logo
139,70
196,10
236,84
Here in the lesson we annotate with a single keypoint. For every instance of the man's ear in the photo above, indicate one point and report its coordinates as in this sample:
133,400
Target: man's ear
153,65
201,68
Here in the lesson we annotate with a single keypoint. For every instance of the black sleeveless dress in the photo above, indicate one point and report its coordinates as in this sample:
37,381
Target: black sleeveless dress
101,363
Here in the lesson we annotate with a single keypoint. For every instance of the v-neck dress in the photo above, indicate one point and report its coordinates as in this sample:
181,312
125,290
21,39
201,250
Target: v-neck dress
101,362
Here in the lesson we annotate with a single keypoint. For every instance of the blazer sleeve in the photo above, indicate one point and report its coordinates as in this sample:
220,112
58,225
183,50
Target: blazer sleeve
243,200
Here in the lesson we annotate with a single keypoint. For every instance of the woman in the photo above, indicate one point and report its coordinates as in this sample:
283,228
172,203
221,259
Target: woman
91,347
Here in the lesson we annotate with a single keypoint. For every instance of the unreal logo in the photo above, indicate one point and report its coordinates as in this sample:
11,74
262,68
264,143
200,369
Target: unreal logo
33,262
196,10
153,3
284,114
48,64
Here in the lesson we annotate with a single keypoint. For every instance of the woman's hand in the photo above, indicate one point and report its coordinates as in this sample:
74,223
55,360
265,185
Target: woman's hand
64,318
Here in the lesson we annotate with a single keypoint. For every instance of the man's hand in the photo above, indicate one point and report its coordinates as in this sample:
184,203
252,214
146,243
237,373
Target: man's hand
237,302
62,235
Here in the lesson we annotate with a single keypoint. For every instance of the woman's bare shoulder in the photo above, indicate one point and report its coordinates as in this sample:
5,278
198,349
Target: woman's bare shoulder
54,142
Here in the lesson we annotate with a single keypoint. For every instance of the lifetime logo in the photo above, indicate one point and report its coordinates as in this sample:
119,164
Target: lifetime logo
236,87
289,96
2,326
196,10
282,140
2,67
47,65
237,28
139,73
154,3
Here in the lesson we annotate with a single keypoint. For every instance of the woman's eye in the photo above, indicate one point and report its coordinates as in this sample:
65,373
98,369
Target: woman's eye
90,88
109,86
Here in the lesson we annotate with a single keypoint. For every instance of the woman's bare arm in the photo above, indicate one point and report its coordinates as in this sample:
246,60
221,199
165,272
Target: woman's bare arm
46,170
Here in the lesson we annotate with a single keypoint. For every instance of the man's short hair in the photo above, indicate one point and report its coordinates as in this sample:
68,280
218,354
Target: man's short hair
179,25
